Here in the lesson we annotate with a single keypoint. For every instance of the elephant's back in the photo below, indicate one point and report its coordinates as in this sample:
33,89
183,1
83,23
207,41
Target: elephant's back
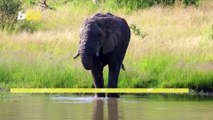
115,24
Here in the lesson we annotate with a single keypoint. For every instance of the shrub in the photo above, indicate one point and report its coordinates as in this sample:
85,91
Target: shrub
8,13
28,26
212,32
140,4
137,31
190,2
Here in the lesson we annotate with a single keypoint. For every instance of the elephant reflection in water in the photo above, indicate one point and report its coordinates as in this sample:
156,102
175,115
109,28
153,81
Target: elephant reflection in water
112,108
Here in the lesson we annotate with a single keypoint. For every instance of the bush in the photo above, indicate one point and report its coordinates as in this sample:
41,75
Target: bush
137,31
130,5
212,32
190,2
8,13
28,26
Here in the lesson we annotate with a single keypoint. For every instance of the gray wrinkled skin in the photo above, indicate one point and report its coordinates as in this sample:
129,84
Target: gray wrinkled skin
104,39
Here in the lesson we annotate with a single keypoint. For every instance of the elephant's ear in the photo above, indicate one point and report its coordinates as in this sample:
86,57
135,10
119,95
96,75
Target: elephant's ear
111,41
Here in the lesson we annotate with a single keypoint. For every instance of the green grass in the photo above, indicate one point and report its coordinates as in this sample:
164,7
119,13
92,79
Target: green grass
38,73
176,52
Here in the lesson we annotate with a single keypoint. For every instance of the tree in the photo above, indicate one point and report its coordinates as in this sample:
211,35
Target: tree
8,13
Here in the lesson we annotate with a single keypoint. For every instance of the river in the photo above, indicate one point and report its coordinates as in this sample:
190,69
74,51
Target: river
146,107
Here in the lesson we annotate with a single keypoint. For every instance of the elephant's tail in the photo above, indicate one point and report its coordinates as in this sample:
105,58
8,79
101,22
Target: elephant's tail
122,67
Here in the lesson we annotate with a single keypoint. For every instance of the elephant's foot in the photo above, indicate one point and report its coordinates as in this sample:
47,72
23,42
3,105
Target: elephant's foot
113,95
100,95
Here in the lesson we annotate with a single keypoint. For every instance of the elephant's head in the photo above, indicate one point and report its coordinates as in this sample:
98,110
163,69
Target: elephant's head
97,34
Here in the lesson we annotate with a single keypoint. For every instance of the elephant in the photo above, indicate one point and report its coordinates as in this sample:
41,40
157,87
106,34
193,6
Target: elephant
104,39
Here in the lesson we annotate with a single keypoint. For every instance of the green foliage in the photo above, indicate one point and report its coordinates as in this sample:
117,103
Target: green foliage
42,74
137,31
45,58
8,13
212,32
149,72
190,2
9,10
130,5
29,26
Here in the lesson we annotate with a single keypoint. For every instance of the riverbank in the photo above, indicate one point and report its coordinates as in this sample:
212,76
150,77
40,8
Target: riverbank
175,51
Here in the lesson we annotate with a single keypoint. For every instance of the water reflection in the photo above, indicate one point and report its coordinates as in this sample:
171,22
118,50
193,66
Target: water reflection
112,108
98,110
90,108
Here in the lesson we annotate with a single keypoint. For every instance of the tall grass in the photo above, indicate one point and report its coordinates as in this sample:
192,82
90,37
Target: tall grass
176,52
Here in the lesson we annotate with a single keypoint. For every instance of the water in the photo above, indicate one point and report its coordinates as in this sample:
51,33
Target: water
41,107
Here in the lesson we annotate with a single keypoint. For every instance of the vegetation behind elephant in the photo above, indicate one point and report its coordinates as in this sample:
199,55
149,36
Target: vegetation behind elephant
104,39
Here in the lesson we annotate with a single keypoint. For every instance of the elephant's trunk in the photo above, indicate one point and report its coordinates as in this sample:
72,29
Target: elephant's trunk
87,53
87,62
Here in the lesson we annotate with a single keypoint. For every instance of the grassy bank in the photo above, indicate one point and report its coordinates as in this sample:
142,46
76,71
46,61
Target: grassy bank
176,51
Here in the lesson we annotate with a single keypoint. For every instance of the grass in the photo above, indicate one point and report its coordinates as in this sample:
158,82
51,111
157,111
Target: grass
176,52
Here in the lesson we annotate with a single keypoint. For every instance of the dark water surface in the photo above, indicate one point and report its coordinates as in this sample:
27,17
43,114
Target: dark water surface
41,107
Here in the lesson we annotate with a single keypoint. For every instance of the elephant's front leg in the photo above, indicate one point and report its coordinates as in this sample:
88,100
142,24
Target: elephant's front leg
114,71
97,73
